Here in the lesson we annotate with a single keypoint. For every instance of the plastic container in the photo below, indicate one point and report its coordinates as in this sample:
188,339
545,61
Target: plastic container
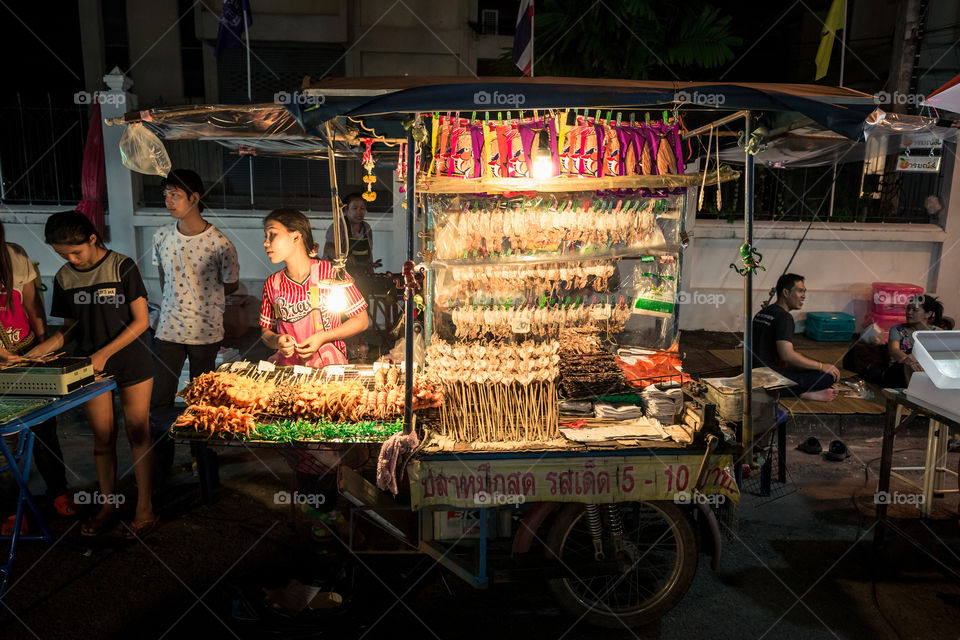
938,352
889,297
829,326
886,321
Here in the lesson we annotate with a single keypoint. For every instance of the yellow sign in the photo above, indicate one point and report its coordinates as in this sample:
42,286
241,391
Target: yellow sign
602,479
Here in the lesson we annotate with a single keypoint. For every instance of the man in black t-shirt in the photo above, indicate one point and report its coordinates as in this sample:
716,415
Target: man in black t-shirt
773,344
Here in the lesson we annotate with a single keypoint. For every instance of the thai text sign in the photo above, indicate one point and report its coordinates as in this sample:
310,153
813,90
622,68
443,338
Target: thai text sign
591,480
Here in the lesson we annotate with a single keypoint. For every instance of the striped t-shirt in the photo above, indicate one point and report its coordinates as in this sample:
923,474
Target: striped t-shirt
286,310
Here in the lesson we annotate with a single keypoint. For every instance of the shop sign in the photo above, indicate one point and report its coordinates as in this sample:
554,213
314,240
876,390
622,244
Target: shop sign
602,479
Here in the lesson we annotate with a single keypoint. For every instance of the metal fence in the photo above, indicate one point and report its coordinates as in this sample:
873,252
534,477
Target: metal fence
294,183
801,194
41,151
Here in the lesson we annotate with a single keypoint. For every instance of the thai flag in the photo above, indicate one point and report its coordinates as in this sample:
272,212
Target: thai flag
523,41
232,24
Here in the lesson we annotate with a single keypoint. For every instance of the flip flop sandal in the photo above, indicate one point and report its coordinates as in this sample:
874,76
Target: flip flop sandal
140,529
92,527
810,445
6,529
65,505
837,452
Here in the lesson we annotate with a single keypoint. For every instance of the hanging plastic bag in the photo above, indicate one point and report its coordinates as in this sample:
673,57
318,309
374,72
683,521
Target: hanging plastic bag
142,151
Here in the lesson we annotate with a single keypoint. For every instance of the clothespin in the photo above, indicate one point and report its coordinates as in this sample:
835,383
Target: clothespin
509,117
499,118
631,118
576,303
618,118
646,117
596,116
609,116
566,303
486,116
473,117
666,117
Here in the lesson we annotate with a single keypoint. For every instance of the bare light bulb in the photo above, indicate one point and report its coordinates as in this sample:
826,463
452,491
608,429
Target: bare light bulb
337,299
542,167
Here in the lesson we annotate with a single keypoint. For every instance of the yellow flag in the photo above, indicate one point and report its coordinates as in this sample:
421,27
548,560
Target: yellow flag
833,23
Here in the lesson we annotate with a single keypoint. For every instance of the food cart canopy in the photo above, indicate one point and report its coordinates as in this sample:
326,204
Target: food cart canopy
837,109
946,97
814,146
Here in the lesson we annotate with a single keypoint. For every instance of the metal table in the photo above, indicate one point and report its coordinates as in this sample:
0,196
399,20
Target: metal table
933,470
19,461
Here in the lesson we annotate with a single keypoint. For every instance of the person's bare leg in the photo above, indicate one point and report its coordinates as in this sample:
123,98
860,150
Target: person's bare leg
136,417
99,411
907,373
824,395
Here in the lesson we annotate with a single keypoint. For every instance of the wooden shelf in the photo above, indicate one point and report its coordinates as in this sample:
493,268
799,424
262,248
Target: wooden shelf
444,184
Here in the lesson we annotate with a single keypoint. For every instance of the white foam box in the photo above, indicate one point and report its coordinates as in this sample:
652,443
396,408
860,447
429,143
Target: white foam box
938,352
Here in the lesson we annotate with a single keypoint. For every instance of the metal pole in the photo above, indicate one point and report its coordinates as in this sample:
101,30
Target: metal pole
843,54
246,33
532,17
748,298
843,41
408,305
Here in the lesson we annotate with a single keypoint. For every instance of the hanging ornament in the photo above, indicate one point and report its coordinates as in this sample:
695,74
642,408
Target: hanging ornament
402,171
369,195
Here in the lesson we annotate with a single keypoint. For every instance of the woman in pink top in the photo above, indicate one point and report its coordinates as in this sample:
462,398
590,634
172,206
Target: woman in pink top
303,331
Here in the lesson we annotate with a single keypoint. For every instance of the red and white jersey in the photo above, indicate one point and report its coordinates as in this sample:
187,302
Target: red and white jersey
286,309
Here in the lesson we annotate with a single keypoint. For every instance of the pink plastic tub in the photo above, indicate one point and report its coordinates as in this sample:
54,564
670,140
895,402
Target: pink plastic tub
892,297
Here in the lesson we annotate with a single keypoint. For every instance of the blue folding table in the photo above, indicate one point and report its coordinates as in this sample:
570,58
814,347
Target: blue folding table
18,462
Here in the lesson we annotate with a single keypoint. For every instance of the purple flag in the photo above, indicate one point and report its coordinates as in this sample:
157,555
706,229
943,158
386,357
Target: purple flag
232,25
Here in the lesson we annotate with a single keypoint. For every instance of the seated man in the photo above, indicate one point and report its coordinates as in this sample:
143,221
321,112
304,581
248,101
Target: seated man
773,345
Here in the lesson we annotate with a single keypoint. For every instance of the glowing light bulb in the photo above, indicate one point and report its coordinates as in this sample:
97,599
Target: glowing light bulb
337,299
542,167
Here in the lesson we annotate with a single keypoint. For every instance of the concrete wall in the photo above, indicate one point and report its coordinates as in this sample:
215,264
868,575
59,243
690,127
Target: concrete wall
839,261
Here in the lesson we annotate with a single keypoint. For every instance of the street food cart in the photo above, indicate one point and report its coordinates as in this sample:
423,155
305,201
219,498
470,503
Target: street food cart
548,218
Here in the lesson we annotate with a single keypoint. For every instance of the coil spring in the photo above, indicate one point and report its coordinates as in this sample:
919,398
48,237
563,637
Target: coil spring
596,529
614,521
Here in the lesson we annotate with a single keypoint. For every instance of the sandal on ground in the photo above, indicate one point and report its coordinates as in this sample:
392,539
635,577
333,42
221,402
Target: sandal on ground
92,527
6,529
140,529
65,505
837,452
810,445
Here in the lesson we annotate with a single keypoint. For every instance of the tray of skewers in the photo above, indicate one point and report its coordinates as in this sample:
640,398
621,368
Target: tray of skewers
297,404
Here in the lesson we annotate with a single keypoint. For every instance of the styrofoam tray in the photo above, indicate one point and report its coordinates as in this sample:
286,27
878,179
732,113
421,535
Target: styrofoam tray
938,352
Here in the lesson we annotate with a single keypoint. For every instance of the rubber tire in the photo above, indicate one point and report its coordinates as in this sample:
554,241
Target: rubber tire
651,609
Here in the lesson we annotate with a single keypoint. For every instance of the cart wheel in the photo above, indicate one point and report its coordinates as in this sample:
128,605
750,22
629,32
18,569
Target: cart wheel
656,565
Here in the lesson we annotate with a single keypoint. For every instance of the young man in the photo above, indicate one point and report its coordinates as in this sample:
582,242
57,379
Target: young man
773,344
198,269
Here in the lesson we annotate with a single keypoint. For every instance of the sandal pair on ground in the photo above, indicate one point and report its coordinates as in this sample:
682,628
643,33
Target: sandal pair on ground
63,504
837,452
97,525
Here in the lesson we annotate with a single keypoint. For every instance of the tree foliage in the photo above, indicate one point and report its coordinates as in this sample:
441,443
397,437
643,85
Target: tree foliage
640,39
